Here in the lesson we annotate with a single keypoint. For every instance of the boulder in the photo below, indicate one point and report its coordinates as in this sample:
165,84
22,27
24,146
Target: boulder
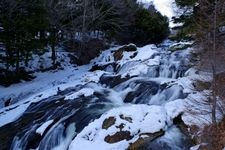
128,48
118,55
112,80
145,139
118,136
108,122
96,67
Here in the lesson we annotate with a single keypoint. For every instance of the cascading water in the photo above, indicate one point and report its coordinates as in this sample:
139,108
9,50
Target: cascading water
69,117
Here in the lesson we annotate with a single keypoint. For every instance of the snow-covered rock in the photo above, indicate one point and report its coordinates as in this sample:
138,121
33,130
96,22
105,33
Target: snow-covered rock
120,126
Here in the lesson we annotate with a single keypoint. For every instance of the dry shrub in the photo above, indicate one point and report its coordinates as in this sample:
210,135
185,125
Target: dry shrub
211,137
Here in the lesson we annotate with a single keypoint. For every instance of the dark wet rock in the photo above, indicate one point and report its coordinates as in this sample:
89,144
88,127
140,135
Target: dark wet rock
107,123
128,48
81,111
121,126
7,102
34,140
143,92
134,55
9,131
143,141
118,136
129,119
159,143
181,125
112,80
113,66
96,67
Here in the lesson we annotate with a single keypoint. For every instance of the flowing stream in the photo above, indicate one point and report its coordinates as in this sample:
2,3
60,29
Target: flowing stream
66,118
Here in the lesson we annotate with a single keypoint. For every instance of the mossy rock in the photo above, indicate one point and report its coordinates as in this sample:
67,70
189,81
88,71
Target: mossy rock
107,123
118,55
118,136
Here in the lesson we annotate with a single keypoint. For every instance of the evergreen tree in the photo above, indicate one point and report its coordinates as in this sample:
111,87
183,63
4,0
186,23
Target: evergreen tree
187,11
21,22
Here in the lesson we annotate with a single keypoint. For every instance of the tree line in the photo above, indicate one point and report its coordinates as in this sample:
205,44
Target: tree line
204,22
32,26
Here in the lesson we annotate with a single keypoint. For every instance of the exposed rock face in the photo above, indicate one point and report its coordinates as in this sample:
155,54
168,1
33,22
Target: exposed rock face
180,124
118,136
145,138
108,122
118,55
111,80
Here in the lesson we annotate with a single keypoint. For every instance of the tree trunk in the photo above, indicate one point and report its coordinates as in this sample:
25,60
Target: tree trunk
26,59
53,54
84,19
17,60
53,45
213,65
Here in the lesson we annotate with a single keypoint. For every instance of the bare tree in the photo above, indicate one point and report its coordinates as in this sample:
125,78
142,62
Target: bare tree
210,42
57,14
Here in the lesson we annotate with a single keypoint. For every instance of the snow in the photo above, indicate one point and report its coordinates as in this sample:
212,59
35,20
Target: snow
174,108
85,91
145,52
14,111
145,119
45,84
8,116
43,127
195,147
140,63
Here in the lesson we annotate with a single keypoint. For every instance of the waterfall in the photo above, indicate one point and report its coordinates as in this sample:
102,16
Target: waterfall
149,81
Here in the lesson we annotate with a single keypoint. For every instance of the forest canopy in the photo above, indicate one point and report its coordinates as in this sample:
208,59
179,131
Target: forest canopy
34,26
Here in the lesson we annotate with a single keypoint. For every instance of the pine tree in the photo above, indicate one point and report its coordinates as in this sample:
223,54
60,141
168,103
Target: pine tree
21,22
